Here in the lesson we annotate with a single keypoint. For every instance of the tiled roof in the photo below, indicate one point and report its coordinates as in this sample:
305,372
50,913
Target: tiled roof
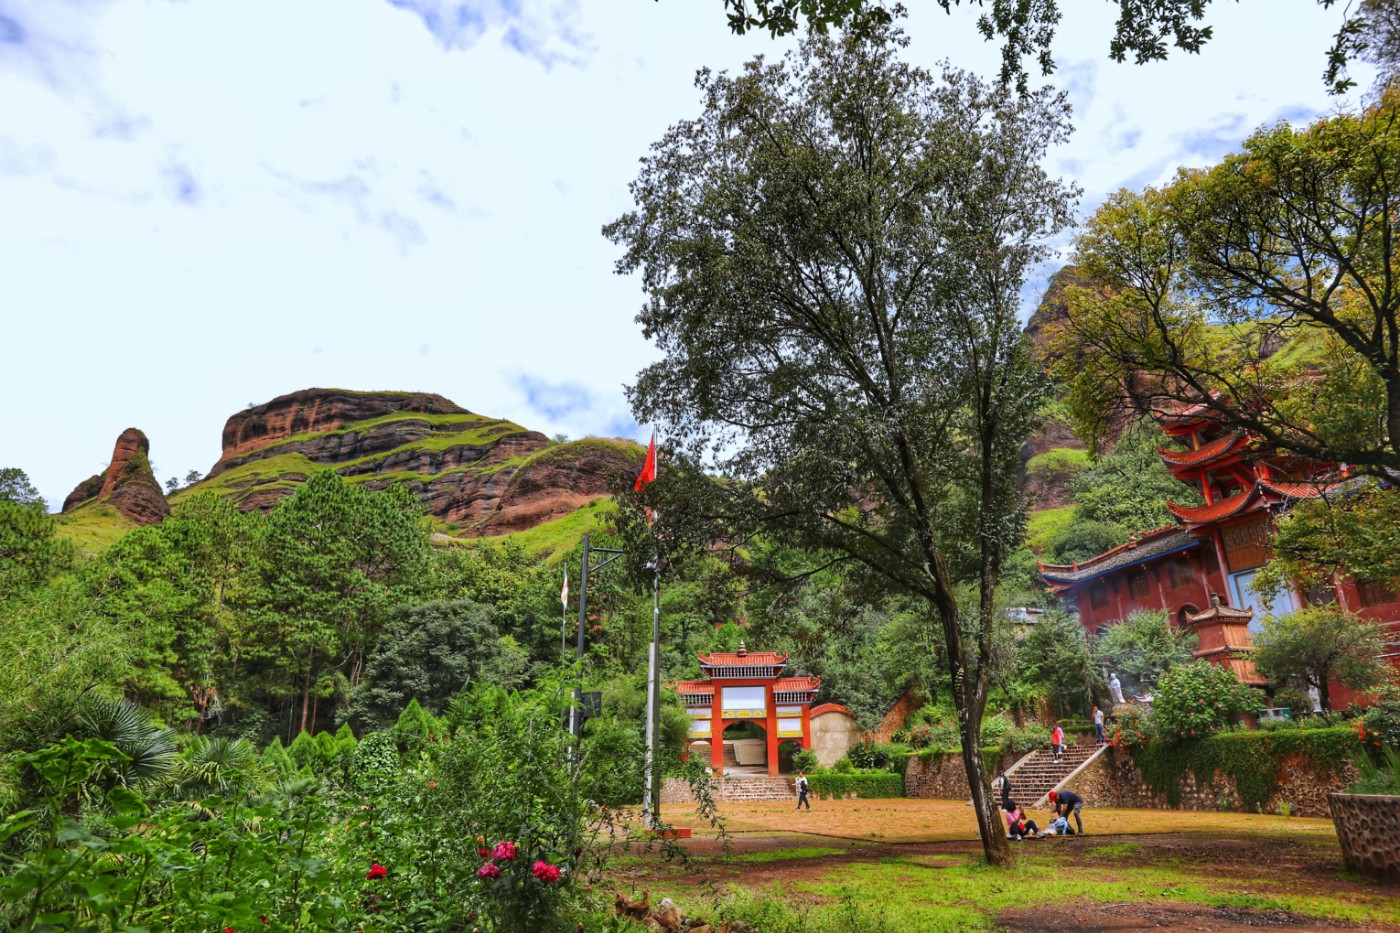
1218,612
1223,445
830,708
796,683
1216,511
1151,544
751,659
1297,490
694,686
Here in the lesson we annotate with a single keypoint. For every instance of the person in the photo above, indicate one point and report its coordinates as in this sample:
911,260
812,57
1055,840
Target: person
1098,726
1065,802
1003,786
1057,743
1017,825
802,791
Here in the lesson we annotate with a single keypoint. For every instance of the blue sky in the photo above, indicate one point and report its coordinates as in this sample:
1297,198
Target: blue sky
206,203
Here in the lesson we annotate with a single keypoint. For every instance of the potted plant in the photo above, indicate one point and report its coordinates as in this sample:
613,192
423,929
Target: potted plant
1367,816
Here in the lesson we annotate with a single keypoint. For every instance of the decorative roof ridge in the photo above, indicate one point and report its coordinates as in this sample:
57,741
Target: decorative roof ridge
829,708
1217,510
1219,610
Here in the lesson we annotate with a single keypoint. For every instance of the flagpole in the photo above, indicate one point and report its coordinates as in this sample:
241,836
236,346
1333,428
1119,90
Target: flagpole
651,799
564,618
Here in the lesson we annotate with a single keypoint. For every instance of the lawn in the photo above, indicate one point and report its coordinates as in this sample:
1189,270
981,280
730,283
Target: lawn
855,865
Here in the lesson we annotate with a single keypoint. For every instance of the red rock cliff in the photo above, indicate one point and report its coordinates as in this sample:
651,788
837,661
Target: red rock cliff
127,484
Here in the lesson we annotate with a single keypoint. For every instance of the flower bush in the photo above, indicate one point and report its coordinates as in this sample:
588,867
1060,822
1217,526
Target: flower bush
1197,700
1131,727
1380,726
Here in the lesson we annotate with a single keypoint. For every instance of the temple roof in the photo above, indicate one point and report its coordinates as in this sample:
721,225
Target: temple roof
1263,489
743,658
830,708
780,685
796,683
1223,446
1150,544
1218,612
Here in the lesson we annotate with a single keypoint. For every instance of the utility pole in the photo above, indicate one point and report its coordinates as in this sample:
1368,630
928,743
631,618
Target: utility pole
651,802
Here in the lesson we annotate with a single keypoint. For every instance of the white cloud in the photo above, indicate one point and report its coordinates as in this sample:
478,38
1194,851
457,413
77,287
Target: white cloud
215,202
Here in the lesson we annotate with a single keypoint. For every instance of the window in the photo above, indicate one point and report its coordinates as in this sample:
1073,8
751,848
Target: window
1179,573
1098,596
1374,594
1137,584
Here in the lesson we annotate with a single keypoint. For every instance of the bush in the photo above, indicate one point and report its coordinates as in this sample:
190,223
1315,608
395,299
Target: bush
896,756
1196,700
861,783
1296,699
805,760
1131,727
1381,726
1018,742
844,766
866,755
994,729
941,735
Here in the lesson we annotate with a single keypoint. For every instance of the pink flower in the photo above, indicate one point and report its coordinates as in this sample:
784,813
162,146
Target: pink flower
505,851
545,872
376,871
489,870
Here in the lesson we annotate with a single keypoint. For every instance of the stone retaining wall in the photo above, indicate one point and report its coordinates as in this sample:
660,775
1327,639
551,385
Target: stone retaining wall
940,777
1115,780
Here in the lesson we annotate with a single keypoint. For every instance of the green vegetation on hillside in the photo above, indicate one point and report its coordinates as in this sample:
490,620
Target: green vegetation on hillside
92,527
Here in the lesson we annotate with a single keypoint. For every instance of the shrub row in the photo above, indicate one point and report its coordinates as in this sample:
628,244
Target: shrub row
861,783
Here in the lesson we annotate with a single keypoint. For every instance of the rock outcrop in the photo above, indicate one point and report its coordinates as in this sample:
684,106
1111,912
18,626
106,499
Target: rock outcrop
482,475
127,484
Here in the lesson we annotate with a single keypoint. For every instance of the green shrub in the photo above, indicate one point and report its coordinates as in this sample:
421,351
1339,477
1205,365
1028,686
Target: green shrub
994,729
1196,700
1296,699
805,760
1381,777
1019,742
1381,725
896,756
844,766
861,783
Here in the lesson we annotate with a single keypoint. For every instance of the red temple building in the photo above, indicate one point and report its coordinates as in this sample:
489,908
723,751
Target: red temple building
1201,569
747,687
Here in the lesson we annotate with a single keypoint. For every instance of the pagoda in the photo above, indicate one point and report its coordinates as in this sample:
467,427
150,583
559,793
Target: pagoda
744,686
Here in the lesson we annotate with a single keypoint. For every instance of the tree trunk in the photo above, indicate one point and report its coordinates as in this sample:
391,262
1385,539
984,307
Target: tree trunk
306,690
1323,695
995,846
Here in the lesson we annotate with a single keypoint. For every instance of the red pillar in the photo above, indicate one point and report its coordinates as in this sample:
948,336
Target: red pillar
772,730
716,734
807,724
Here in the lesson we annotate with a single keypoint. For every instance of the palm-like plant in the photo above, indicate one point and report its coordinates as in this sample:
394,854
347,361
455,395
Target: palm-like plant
149,749
218,766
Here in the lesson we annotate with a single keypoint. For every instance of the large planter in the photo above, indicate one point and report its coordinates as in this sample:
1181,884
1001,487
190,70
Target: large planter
1368,828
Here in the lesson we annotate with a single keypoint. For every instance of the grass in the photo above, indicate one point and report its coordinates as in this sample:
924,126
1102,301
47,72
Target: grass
93,527
1045,524
266,473
553,539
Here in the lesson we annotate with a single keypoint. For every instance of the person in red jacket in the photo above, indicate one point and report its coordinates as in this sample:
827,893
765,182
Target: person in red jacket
1057,742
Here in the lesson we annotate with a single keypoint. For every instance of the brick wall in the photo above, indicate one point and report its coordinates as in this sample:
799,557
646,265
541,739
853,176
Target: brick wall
894,719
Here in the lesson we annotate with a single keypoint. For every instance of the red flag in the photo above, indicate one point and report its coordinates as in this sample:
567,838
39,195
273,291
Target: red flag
648,474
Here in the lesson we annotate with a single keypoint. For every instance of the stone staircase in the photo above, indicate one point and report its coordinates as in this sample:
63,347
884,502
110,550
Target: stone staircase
1038,773
677,790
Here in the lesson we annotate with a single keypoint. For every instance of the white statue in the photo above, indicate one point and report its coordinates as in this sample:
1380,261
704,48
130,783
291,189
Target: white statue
1116,689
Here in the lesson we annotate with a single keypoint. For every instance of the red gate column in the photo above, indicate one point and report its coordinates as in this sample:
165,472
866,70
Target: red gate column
716,734
771,728
807,724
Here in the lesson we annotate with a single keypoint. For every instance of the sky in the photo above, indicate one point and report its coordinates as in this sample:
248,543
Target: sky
209,203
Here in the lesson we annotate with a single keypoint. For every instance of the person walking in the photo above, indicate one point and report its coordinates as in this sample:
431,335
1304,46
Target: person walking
802,791
1002,785
1098,726
1057,743
1065,802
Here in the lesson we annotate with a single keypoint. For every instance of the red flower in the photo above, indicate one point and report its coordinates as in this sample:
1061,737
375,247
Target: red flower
489,870
432,783
229,930
505,851
376,871
484,853
545,872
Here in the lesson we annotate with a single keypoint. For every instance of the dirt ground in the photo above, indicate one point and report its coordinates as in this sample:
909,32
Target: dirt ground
771,846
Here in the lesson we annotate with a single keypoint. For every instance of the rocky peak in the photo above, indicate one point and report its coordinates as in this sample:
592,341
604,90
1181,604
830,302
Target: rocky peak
127,484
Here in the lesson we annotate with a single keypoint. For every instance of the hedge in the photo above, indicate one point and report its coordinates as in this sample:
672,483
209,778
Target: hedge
1252,759
862,783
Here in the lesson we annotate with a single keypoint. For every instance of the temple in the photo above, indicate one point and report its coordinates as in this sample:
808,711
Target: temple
747,690
1202,569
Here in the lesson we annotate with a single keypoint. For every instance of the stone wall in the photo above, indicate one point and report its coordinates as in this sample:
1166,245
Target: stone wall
1114,780
941,777
894,719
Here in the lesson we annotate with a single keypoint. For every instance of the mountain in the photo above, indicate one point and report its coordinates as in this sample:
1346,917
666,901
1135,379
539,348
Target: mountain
475,474
127,485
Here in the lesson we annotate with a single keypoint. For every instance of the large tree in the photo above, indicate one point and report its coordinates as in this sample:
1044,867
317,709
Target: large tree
834,251
1264,289
1321,646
